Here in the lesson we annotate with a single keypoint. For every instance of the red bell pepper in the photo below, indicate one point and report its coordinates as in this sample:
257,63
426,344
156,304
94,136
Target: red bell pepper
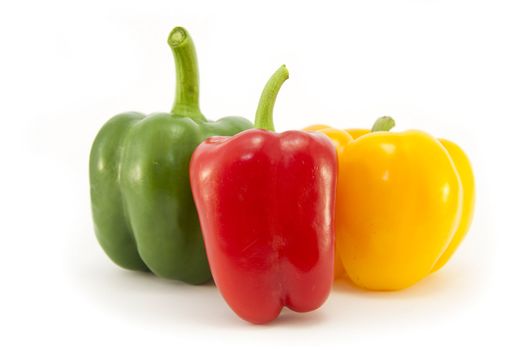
266,207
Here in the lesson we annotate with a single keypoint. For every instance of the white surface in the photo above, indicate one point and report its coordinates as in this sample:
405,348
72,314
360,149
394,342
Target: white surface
453,68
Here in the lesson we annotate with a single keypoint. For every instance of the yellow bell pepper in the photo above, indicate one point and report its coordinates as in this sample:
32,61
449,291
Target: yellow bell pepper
405,201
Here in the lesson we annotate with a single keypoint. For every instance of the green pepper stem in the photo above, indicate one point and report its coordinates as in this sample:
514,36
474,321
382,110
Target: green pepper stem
383,124
264,114
186,102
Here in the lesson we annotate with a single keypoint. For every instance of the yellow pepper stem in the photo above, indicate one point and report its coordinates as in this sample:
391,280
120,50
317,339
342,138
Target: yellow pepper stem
384,124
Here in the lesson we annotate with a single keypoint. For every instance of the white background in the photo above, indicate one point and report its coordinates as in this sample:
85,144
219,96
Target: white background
453,68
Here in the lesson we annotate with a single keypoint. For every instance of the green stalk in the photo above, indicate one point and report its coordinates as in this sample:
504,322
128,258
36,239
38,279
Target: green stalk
186,102
264,114
383,124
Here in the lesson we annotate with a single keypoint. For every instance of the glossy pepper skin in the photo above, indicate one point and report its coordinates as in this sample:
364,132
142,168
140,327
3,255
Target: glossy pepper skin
142,205
266,204
405,202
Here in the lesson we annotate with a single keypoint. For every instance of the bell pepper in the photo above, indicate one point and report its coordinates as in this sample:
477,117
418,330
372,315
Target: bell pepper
266,205
405,202
143,210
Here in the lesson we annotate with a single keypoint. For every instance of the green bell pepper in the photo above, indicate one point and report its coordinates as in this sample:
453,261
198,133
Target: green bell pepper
142,205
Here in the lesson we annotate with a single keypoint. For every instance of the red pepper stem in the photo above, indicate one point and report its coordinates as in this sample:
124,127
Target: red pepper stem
383,124
264,114
186,102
